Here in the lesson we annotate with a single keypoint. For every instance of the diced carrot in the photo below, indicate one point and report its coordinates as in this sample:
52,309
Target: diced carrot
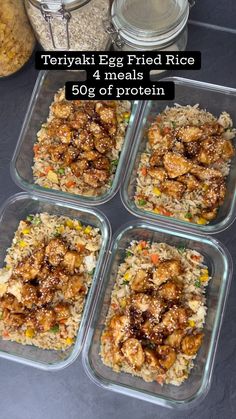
145,252
80,247
70,184
166,212
195,257
47,169
154,258
144,171
143,244
41,174
160,379
166,130
36,148
5,334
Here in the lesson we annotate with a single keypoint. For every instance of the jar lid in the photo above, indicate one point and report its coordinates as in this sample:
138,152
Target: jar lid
149,22
55,4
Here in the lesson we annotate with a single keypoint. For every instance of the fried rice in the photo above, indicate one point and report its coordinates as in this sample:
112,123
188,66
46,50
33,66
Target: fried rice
196,195
66,154
45,309
142,335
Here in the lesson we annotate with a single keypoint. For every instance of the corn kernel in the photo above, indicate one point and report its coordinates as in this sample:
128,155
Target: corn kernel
156,211
69,223
204,277
191,323
26,231
123,302
201,221
88,230
22,243
60,229
204,271
69,341
52,176
156,191
126,115
127,276
78,227
29,333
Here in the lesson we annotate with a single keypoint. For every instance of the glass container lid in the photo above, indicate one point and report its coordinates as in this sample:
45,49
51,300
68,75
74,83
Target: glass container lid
149,18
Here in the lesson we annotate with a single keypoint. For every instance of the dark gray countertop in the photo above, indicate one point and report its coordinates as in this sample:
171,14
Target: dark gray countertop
28,393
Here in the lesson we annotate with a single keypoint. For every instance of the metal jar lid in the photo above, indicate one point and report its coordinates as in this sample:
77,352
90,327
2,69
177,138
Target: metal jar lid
147,23
53,4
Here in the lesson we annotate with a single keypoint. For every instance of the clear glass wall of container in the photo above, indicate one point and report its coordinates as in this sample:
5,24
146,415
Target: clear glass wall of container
148,25
195,388
16,37
69,24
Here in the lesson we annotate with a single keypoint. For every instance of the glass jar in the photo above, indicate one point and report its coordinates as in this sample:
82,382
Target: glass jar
69,24
137,25
17,40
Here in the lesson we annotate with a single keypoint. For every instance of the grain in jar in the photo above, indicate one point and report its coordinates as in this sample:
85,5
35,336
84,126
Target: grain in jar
69,24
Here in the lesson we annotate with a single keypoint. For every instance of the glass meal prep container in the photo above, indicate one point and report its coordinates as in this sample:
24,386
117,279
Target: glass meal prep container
47,85
214,99
219,263
17,208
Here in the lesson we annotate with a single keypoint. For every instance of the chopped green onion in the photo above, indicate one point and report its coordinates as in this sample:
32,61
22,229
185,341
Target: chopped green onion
61,171
128,253
181,249
114,163
142,202
91,272
125,282
197,283
56,234
33,219
55,329
36,221
188,215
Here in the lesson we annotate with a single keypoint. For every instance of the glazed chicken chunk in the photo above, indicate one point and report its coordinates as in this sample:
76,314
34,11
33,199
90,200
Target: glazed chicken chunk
167,270
176,165
55,251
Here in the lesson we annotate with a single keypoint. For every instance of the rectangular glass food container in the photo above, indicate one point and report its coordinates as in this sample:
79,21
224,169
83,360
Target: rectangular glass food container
187,92
220,268
47,84
15,209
